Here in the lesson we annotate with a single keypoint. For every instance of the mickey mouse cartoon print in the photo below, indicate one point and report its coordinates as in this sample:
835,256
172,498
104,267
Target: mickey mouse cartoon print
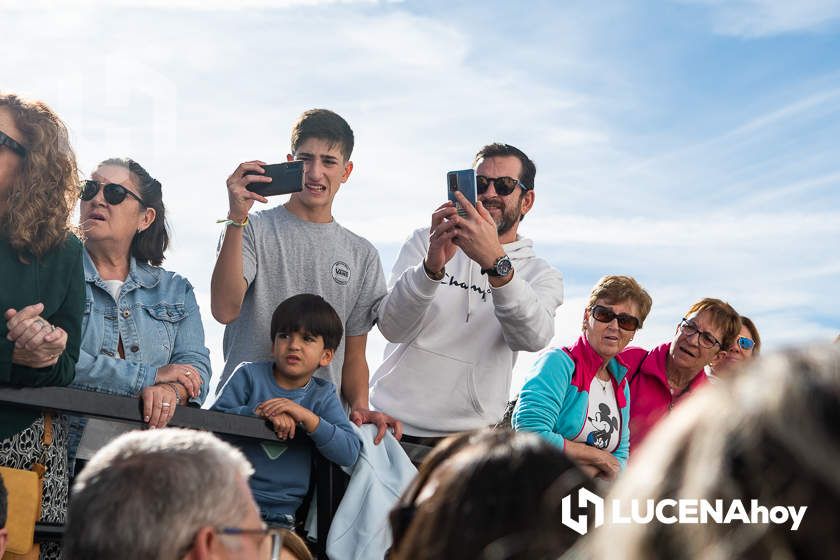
604,425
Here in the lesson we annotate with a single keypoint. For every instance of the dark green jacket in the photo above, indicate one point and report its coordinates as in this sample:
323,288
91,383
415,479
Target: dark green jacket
56,280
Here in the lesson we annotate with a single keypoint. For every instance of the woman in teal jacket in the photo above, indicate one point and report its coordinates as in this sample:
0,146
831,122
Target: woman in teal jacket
578,397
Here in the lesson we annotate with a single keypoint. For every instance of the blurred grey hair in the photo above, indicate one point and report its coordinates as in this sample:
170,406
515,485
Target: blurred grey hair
771,434
147,493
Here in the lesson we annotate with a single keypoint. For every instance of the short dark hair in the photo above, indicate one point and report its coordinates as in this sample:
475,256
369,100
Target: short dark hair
4,503
323,124
529,169
149,245
310,314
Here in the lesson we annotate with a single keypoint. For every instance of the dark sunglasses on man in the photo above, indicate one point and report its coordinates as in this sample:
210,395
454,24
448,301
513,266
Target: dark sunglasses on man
12,144
504,185
113,193
606,315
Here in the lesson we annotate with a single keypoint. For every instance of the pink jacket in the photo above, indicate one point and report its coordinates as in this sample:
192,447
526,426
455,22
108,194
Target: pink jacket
650,395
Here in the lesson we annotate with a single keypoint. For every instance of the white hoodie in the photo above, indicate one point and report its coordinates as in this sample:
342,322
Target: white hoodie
453,343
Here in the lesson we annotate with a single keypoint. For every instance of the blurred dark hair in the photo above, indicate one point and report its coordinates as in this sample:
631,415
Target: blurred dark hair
529,169
770,434
149,245
310,314
326,125
295,545
495,498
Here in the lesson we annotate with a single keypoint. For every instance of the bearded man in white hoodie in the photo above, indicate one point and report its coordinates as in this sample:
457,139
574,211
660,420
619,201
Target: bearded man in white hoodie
464,297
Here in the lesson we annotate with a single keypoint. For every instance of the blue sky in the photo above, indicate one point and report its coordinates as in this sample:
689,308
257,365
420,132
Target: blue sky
692,144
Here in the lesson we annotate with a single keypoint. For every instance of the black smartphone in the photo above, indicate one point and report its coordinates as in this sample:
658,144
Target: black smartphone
464,182
286,178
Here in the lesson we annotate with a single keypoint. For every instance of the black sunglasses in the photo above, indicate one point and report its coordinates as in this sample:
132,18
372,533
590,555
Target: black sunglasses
12,144
606,315
113,193
504,185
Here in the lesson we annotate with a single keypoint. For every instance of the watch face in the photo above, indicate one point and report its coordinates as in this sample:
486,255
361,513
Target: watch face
504,266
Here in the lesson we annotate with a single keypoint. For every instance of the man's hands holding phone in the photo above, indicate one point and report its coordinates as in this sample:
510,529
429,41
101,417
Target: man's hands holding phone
240,199
475,234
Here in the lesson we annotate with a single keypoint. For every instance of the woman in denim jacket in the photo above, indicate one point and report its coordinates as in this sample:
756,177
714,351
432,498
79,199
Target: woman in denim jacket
141,331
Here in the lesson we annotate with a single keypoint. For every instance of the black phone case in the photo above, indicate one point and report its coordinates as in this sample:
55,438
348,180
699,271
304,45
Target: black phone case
286,178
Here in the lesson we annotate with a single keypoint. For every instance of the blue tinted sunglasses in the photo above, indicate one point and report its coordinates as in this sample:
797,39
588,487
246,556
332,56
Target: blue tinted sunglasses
745,343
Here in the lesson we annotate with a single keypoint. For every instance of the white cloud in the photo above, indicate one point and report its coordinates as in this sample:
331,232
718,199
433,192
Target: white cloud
749,213
761,18
198,5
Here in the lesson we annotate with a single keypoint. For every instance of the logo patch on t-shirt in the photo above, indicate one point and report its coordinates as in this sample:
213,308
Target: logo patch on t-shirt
273,450
341,272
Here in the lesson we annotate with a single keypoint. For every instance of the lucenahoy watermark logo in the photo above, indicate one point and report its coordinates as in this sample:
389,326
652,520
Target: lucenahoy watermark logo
670,511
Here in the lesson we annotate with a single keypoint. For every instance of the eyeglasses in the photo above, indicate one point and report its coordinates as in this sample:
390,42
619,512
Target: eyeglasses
504,185
264,531
606,315
113,193
12,144
745,343
707,339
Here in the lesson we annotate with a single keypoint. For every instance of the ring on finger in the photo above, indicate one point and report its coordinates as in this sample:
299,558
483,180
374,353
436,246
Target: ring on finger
40,323
165,405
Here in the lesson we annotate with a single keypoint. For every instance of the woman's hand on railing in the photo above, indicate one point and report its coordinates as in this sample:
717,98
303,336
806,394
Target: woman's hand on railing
184,374
159,402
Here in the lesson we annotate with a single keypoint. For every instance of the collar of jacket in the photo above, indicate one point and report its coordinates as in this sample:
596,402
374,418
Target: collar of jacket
588,361
139,274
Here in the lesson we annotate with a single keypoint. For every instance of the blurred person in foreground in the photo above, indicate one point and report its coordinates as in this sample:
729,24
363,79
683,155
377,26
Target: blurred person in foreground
492,494
199,506
41,289
661,378
746,347
771,434
577,397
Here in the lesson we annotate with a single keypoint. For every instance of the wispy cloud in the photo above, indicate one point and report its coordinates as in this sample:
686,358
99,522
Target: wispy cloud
734,194
196,5
762,18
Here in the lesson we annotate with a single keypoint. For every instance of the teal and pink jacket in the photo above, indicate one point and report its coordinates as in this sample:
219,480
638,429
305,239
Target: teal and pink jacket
554,401
649,389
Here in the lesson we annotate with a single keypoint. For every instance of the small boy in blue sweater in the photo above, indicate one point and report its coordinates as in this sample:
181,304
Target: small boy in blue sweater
305,332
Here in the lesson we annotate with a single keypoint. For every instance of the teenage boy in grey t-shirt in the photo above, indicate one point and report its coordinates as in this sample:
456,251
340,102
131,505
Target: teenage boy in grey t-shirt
295,248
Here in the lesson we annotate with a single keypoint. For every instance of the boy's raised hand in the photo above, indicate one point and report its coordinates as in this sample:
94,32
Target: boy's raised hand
274,407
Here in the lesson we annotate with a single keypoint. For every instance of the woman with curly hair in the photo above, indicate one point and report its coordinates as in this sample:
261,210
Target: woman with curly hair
41,288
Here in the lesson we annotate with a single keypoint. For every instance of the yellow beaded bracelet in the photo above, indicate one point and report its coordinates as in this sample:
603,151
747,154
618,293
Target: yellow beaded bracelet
229,222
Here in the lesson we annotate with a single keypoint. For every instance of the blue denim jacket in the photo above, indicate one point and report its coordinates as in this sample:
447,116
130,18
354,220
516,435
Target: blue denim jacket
159,322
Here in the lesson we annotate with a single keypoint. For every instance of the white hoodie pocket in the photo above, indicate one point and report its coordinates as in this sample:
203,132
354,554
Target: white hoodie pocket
431,390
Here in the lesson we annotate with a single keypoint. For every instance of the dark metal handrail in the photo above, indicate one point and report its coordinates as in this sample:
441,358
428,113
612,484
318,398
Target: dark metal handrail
129,409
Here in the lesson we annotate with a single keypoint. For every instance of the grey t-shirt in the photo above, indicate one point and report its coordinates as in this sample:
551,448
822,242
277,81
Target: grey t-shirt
284,256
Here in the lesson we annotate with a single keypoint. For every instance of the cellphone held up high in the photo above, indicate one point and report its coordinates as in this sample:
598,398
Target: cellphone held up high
464,182
286,178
